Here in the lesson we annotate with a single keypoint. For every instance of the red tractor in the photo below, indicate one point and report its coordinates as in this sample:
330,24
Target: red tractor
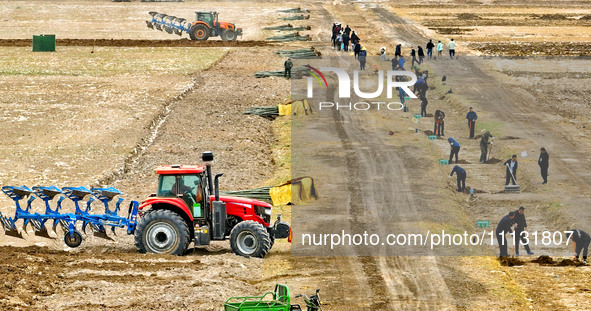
187,208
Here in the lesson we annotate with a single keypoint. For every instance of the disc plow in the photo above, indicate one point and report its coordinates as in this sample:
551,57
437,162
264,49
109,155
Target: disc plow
69,222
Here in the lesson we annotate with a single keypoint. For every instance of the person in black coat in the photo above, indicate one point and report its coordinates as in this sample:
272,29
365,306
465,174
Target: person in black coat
511,167
503,228
582,241
345,42
521,226
413,55
421,54
430,47
398,51
461,177
543,163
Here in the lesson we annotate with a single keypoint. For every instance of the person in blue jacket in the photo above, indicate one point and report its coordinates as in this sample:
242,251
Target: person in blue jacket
461,177
471,116
455,149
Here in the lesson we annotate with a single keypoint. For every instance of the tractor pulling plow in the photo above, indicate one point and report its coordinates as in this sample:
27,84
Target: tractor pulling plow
186,208
205,25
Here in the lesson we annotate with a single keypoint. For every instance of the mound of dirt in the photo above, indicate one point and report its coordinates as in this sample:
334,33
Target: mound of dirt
493,161
552,17
585,17
510,262
428,132
544,260
509,138
468,16
452,30
570,263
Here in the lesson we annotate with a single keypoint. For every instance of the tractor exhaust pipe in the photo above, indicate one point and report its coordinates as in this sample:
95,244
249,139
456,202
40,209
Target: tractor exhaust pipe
207,158
217,186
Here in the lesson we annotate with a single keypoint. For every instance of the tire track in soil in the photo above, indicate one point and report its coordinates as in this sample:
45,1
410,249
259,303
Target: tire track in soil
152,131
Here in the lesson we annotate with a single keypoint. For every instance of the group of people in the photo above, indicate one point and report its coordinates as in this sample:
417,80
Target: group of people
418,55
511,164
486,140
515,223
342,37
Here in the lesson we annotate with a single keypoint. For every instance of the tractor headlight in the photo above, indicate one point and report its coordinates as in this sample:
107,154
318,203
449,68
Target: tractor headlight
263,212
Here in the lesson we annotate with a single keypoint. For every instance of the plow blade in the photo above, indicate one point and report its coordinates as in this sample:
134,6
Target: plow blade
14,233
43,233
178,32
152,13
158,27
150,24
103,235
168,29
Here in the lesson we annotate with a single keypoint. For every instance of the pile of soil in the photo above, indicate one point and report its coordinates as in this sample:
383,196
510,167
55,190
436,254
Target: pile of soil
585,17
544,260
510,262
569,263
551,17
493,161
428,132
452,30
468,16
509,138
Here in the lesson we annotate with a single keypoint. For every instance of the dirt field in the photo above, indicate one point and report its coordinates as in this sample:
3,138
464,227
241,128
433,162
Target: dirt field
109,112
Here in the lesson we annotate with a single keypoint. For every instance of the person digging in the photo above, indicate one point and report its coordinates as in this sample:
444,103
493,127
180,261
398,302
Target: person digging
581,241
455,149
461,177
511,170
521,226
485,140
503,228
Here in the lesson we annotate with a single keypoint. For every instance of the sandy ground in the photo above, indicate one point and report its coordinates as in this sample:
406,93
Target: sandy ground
140,98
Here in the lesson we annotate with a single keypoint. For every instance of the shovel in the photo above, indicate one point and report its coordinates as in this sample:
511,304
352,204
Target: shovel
512,188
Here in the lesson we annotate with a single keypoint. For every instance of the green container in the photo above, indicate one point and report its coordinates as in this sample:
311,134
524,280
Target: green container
432,137
44,43
444,162
418,116
196,210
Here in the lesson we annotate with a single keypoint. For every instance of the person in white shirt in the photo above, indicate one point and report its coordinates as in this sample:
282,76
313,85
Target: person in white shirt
439,49
452,49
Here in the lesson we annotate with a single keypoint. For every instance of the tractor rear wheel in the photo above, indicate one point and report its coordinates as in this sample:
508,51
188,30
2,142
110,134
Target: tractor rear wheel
229,35
250,239
162,232
199,32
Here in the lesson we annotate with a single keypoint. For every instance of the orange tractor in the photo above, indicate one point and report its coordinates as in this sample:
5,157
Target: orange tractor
206,25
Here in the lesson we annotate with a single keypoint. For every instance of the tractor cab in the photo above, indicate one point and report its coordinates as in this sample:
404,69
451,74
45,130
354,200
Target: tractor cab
186,183
210,18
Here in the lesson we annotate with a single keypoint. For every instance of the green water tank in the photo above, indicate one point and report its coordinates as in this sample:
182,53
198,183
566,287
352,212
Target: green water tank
44,43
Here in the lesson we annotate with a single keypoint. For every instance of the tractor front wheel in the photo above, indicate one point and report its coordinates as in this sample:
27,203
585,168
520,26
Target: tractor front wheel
250,239
162,232
229,35
199,32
